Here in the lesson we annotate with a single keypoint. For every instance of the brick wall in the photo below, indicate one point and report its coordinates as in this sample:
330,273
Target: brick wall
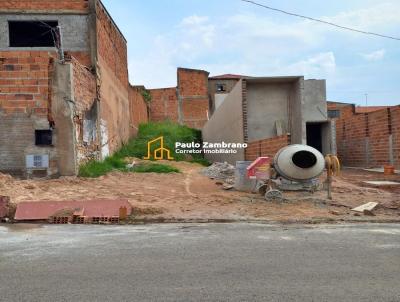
84,86
187,104
81,6
138,109
266,147
85,113
24,82
25,104
395,128
163,105
112,45
81,56
368,139
193,94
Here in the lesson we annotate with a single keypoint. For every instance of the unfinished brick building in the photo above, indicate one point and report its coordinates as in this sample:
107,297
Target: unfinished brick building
64,91
187,104
367,137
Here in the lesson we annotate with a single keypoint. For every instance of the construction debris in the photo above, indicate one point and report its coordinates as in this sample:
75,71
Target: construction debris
227,187
368,206
84,211
368,213
222,171
4,207
382,183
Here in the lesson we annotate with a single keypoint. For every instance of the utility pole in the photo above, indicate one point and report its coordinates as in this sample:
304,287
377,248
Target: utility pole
366,99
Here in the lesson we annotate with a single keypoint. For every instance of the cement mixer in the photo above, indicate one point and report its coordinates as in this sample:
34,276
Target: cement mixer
294,167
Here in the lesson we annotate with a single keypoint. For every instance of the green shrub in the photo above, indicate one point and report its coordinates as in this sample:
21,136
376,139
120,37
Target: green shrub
94,169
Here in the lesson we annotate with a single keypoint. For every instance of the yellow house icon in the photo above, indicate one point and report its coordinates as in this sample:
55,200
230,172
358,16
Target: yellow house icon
158,153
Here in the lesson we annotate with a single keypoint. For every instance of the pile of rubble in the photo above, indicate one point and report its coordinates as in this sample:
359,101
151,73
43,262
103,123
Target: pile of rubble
5,179
221,171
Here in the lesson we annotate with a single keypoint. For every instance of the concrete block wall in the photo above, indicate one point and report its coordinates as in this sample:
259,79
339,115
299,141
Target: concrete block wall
368,139
266,147
138,109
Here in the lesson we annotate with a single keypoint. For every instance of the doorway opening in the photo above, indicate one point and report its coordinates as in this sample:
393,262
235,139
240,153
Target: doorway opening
314,135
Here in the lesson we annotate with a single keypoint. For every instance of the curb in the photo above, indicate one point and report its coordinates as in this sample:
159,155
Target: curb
332,221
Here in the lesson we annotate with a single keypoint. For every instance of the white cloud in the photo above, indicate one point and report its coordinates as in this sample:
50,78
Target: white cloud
194,27
375,55
254,44
320,64
377,16
194,20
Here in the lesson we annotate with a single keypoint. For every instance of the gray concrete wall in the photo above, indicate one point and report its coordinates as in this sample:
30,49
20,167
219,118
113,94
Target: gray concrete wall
230,84
75,30
328,146
297,125
267,103
314,109
17,139
226,124
314,103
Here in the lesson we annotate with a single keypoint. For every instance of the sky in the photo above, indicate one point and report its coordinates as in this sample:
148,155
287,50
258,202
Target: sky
231,36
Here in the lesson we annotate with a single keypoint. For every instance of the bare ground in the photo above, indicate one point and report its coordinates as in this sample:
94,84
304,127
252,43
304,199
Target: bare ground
190,195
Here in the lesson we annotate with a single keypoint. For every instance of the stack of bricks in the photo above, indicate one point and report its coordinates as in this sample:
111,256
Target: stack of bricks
25,81
368,139
266,147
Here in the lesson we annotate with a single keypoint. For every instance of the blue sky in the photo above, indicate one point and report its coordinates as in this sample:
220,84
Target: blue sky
230,36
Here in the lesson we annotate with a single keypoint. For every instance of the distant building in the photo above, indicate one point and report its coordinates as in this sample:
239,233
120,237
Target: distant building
267,113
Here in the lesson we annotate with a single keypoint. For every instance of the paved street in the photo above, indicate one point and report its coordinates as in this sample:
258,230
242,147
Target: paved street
207,262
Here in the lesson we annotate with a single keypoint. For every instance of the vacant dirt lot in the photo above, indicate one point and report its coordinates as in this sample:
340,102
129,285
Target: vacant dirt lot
190,195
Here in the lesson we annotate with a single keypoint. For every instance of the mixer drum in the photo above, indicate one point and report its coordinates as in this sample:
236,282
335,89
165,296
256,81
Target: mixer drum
299,163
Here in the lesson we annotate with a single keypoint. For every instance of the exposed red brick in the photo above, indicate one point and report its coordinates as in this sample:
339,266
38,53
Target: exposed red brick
164,105
266,147
138,108
363,140
112,46
79,6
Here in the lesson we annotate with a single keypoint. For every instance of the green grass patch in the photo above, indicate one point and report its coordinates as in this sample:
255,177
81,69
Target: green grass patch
95,169
172,132
154,168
